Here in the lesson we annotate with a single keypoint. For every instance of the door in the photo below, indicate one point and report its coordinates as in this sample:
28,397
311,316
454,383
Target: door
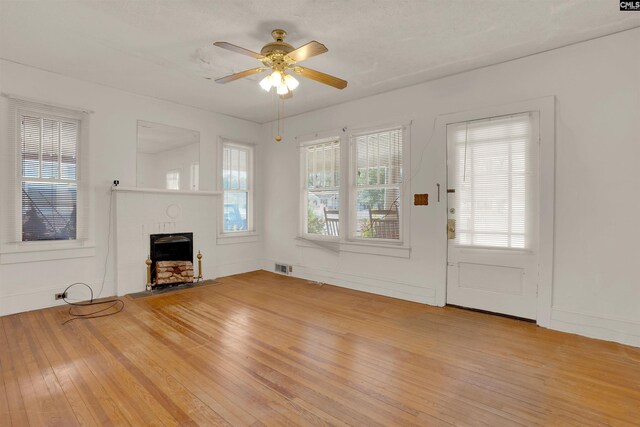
492,203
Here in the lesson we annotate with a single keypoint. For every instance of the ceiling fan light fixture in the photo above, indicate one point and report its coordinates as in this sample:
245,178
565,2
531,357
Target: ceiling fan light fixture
265,83
282,89
276,78
291,82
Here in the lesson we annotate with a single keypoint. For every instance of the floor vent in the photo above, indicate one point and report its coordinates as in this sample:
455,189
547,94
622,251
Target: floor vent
283,269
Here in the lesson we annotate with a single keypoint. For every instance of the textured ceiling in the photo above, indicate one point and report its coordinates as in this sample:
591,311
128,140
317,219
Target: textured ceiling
164,48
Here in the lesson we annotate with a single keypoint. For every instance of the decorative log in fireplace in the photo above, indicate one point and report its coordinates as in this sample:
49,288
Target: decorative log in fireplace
170,272
171,258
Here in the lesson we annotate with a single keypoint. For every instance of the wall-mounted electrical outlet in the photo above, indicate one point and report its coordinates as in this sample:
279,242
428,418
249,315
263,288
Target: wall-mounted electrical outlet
61,295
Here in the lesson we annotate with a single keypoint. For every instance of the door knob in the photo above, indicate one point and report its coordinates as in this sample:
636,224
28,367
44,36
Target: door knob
451,229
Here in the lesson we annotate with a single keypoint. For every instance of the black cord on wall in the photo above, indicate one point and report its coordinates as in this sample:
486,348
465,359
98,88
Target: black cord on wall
116,304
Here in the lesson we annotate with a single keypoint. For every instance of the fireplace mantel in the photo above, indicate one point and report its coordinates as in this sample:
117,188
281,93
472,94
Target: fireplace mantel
163,191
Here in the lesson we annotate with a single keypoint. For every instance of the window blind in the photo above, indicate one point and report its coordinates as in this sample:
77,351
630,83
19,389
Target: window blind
378,184
51,201
495,174
236,179
321,162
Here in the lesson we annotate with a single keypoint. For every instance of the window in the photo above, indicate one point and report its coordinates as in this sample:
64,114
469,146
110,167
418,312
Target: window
173,180
48,176
321,196
377,184
494,172
237,182
369,207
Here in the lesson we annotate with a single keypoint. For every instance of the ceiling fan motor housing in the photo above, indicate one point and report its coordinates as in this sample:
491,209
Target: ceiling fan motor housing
275,51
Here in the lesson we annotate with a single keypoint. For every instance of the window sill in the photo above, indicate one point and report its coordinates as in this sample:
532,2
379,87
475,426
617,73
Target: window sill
235,238
390,250
14,253
318,238
165,191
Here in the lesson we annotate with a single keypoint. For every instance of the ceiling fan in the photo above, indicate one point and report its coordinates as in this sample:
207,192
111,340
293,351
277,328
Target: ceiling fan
280,57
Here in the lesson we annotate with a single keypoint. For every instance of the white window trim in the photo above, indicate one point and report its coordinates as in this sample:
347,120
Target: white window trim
405,189
232,237
347,241
302,231
12,248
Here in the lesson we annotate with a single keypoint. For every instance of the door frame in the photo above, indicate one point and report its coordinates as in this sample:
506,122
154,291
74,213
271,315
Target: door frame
545,106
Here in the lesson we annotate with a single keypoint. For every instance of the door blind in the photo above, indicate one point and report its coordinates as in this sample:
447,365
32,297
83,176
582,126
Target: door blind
495,181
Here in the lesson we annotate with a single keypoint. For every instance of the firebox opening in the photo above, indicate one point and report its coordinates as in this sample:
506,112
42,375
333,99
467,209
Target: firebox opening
171,259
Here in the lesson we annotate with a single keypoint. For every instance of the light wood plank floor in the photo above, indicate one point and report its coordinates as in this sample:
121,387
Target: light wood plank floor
262,349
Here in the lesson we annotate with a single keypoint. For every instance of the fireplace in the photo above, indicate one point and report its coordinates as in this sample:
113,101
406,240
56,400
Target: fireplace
171,258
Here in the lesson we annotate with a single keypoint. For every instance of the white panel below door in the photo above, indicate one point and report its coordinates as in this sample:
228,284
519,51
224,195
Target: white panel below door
491,278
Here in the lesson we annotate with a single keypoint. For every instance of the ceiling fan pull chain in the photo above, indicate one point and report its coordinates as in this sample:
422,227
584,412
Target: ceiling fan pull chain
282,114
278,137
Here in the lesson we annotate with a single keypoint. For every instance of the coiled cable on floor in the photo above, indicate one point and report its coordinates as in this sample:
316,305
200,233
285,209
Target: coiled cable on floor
118,303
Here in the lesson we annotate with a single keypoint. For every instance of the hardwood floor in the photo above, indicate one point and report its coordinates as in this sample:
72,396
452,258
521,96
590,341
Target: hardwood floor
263,349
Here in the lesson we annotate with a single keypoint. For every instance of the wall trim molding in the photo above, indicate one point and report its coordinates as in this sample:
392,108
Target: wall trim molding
33,299
390,288
238,267
596,326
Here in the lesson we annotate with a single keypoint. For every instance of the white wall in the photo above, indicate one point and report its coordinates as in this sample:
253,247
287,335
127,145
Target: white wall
596,285
30,285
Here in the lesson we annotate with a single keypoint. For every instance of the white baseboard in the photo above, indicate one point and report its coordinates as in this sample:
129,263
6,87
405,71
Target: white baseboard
595,326
238,267
44,297
30,300
389,288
